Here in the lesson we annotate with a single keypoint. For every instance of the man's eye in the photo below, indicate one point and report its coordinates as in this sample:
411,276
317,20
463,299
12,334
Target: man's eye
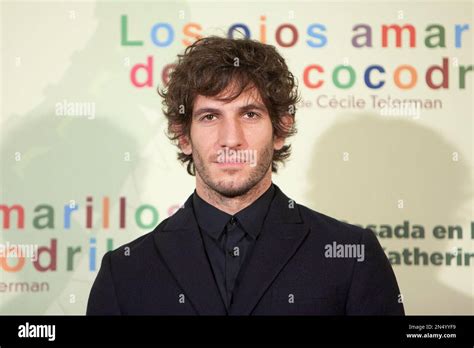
208,117
251,114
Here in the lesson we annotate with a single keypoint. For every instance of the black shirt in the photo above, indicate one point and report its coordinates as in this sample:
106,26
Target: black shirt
229,239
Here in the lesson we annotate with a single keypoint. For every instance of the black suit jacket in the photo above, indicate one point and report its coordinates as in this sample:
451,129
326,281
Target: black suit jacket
166,272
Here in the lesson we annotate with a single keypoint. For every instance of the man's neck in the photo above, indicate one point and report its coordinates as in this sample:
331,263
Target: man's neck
235,204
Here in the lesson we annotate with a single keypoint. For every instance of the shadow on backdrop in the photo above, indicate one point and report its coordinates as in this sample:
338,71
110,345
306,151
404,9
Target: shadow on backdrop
391,160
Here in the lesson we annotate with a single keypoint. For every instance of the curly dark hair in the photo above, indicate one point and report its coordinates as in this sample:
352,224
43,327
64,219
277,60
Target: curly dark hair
210,65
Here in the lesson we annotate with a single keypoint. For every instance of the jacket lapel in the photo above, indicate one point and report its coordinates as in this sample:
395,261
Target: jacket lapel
182,248
282,234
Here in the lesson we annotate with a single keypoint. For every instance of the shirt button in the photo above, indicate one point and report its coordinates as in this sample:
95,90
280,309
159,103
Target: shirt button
232,220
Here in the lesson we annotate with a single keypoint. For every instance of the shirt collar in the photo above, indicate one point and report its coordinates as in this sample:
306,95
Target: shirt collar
213,220
251,218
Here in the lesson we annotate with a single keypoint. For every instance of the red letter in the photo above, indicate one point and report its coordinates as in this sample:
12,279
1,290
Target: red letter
148,70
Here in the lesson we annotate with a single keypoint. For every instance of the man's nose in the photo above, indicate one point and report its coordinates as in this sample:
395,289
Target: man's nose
231,133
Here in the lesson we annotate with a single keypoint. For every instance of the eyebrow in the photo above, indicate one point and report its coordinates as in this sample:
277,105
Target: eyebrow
244,108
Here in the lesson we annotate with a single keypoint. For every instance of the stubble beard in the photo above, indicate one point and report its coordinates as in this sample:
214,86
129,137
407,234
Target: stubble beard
229,188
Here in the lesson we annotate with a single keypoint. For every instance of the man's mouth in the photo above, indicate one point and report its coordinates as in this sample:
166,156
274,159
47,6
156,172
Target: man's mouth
230,163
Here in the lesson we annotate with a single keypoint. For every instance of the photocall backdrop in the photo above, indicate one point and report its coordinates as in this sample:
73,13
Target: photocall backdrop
384,134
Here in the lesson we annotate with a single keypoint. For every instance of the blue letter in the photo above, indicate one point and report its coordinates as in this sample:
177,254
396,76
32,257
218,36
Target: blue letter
367,76
321,37
154,38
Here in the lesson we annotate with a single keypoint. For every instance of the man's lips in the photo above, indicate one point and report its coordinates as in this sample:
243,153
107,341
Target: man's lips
230,164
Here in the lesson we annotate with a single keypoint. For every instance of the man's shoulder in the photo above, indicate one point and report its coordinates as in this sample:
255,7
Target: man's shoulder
140,247
325,226
329,226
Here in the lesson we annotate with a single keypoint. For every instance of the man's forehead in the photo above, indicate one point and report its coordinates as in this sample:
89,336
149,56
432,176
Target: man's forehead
248,96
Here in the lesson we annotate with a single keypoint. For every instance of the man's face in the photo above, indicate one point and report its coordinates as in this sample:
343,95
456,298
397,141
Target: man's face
231,143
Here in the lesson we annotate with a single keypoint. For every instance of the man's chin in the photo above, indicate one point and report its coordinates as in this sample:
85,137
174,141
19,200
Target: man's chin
231,188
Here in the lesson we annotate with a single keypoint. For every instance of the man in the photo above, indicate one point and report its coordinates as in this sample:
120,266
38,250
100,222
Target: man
240,246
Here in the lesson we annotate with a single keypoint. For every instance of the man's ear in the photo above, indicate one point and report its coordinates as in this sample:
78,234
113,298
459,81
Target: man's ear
287,121
183,140
185,145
